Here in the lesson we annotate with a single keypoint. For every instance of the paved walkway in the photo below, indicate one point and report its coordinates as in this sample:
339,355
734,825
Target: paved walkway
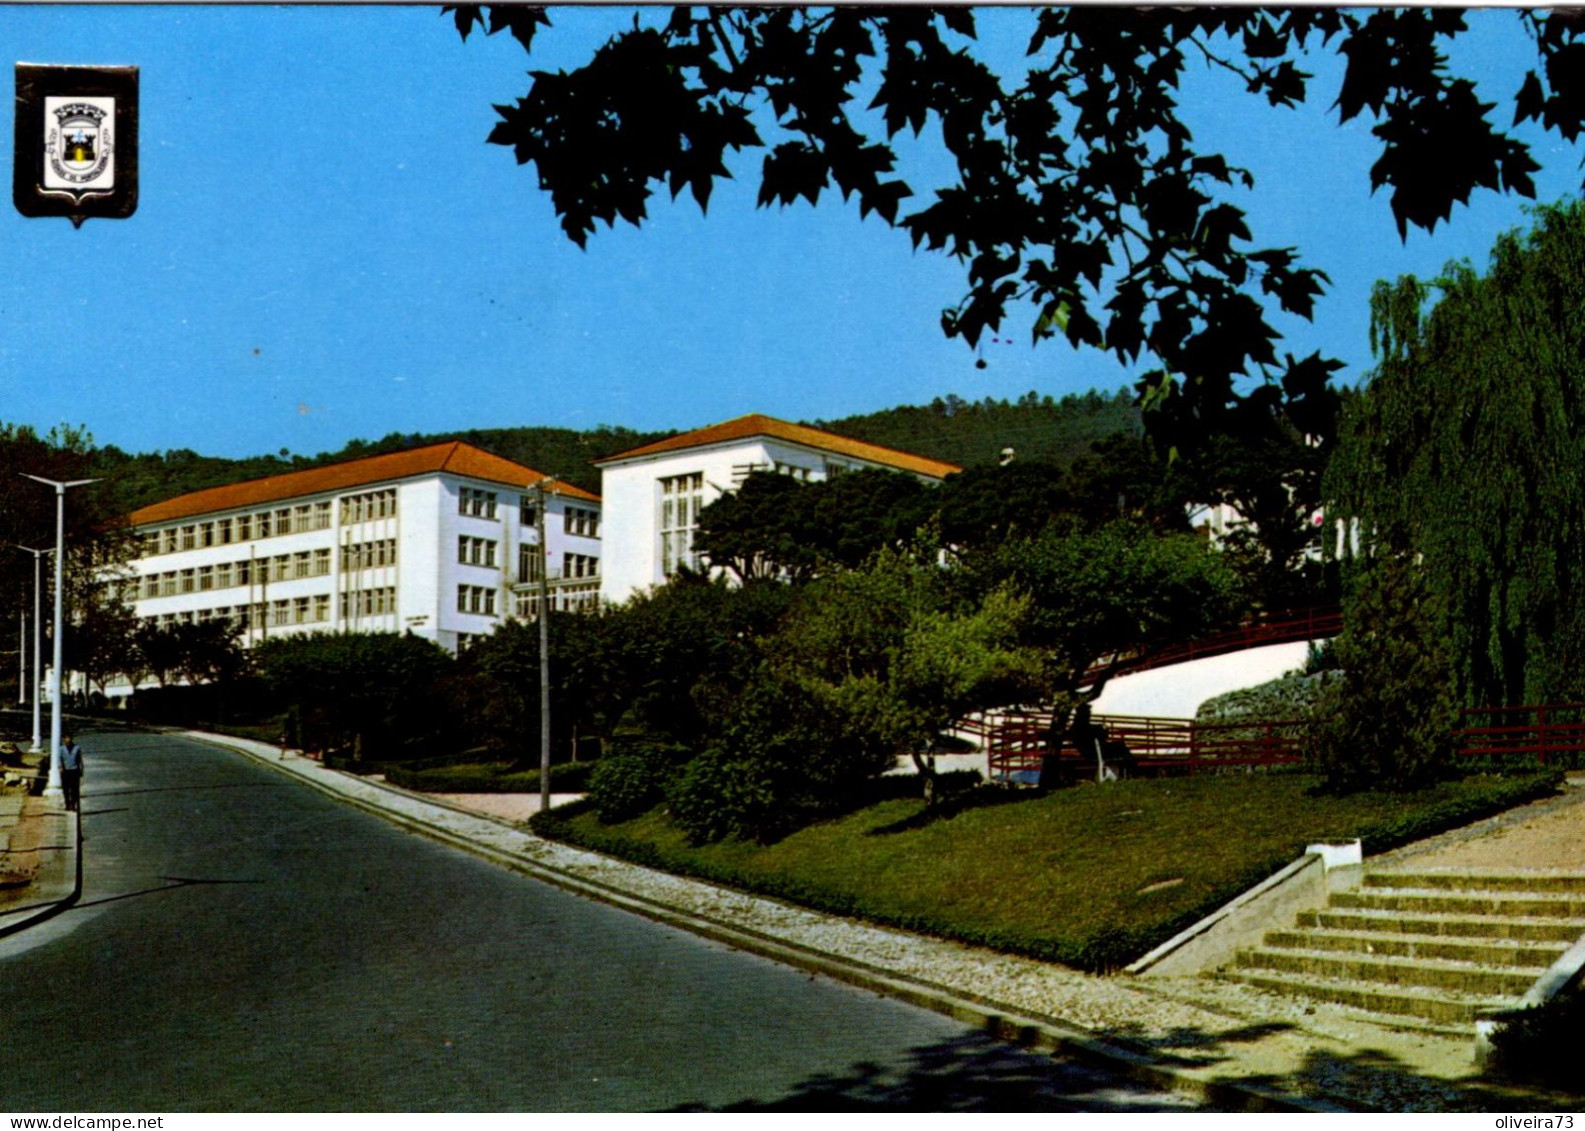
1230,1044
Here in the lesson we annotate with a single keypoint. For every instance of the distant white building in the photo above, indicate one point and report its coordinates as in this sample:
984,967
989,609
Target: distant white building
440,541
653,494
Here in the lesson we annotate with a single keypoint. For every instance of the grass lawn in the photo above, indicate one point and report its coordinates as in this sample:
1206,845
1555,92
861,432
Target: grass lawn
1091,877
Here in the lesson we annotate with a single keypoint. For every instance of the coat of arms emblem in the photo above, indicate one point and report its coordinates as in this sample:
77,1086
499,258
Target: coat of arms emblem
79,145
76,141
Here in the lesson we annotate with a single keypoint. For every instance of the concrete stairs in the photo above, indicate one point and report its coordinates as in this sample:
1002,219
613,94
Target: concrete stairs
1424,949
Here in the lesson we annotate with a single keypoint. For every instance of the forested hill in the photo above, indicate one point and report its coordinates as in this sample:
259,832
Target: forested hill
975,432
949,428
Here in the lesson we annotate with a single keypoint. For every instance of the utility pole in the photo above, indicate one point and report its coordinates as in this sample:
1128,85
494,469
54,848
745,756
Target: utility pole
544,644
52,788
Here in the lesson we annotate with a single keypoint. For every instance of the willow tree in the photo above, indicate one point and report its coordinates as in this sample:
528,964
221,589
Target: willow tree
1465,453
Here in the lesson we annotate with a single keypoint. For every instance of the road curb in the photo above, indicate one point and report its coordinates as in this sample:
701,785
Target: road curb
1045,1033
58,883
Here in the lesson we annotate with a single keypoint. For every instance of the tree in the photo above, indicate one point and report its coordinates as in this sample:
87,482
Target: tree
1389,721
869,665
1078,191
1106,592
1464,449
774,526
374,691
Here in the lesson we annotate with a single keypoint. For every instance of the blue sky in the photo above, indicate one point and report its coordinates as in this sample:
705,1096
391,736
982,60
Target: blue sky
326,249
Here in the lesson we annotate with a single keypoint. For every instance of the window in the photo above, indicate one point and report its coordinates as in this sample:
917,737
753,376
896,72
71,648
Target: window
206,534
206,578
188,581
168,543
477,503
151,585
793,470
527,514
283,521
244,528
223,531
151,543
366,507
167,585
189,537
223,575
321,566
582,521
366,555
280,567
581,565
245,573
321,608
368,602
303,518
475,551
681,499
476,599
321,519
261,524
527,563
302,564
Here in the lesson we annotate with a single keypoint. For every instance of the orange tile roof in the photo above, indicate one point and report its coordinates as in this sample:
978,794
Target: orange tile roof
455,458
756,424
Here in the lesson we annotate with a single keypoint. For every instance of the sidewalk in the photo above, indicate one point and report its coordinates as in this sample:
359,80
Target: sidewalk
40,860
1233,1046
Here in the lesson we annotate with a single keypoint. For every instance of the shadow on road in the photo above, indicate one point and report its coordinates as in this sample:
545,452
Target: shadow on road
974,1072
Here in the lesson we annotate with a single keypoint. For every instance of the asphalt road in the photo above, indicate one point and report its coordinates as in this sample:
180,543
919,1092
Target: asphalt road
244,943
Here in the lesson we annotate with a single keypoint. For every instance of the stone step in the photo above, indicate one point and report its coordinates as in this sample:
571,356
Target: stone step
1420,900
1486,951
1565,931
1457,977
1440,1008
1547,882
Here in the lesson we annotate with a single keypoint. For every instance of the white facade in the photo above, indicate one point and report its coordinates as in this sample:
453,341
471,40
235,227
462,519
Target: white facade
653,495
441,542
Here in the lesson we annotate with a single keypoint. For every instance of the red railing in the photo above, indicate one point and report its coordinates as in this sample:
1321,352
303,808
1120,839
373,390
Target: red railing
1541,731
1281,628
1016,745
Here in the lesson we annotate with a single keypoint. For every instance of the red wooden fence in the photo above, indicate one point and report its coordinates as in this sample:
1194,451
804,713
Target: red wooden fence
1015,741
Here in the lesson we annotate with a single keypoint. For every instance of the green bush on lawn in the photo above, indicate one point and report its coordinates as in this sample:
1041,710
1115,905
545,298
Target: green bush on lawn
490,777
1090,877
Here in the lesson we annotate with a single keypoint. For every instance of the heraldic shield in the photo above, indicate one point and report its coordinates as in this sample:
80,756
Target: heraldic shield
76,141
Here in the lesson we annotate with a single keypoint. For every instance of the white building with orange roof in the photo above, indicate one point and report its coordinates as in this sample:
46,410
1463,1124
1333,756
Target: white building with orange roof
441,541
653,494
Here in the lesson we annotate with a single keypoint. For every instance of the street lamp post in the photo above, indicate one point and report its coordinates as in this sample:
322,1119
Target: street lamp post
38,635
544,648
52,788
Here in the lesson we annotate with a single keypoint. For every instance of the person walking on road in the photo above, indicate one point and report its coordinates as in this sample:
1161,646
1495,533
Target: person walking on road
71,770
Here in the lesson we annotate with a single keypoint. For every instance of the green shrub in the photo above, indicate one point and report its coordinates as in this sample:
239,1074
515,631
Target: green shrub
625,785
1293,696
720,795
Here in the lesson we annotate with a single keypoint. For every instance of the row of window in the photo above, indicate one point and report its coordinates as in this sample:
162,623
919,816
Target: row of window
475,551
578,599
225,575
369,506
476,599
582,520
369,555
313,609
237,528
